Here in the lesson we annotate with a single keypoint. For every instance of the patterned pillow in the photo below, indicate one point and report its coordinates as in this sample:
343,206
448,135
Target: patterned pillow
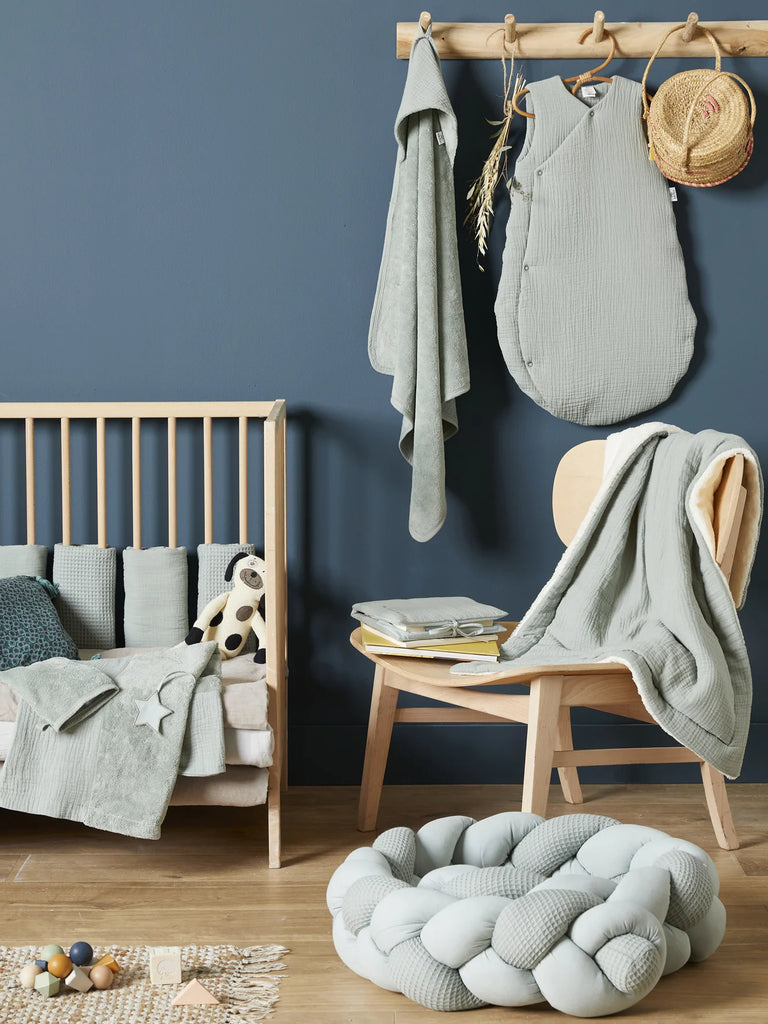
30,629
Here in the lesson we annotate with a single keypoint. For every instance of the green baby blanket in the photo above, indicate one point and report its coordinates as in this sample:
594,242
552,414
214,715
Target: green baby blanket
102,742
639,585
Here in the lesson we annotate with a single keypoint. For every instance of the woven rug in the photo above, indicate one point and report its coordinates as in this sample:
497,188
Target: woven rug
245,981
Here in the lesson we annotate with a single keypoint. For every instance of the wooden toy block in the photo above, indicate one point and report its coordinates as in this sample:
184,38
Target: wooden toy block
193,994
60,965
101,976
51,950
47,984
78,979
108,961
27,975
165,965
81,953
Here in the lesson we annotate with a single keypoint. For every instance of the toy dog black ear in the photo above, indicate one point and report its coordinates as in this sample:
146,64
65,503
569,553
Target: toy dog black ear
233,563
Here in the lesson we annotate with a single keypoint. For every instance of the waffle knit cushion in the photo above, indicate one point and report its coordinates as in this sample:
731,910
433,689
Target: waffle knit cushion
23,560
579,911
86,576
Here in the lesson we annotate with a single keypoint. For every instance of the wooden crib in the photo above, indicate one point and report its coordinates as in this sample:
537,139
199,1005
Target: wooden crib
117,464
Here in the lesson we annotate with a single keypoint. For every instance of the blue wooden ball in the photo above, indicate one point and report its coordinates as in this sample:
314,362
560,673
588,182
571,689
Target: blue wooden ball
81,953
42,964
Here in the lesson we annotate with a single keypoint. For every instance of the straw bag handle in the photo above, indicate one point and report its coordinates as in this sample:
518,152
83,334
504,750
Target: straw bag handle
654,55
697,97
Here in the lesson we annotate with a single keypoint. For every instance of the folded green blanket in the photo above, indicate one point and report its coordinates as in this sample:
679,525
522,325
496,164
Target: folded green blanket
639,585
102,742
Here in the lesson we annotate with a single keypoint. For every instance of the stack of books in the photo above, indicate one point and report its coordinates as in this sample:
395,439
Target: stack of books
455,628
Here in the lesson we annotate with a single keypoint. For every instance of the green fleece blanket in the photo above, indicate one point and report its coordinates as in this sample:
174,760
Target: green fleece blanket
103,741
639,585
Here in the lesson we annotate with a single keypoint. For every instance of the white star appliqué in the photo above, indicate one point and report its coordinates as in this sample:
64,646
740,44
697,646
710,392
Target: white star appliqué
151,712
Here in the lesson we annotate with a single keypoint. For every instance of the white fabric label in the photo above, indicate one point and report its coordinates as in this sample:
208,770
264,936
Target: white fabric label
588,91
440,138
673,193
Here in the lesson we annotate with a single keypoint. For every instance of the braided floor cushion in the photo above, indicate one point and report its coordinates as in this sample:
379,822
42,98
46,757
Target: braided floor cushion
579,911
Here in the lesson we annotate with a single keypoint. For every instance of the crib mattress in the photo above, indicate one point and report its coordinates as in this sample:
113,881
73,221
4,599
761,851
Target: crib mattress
241,746
244,691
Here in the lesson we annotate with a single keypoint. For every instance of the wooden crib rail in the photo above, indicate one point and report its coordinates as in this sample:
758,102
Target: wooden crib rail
272,413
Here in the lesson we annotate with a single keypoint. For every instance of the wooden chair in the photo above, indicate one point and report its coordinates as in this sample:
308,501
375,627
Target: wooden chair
551,691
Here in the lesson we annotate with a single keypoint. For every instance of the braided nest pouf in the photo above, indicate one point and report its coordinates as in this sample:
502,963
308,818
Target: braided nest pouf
579,911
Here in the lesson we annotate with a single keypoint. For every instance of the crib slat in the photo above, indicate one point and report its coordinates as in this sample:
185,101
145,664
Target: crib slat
208,477
66,483
243,477
29,444
136,478
172,498
275,558
101,480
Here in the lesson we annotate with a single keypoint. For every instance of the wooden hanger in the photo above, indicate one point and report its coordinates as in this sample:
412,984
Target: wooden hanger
586,76
592,76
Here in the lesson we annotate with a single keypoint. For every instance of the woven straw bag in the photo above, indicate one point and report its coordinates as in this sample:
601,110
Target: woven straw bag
699,122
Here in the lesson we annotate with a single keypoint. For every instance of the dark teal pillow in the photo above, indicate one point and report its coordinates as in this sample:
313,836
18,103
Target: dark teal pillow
30,629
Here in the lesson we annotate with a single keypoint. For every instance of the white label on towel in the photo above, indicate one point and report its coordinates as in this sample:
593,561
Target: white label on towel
673,193
440,138
588,91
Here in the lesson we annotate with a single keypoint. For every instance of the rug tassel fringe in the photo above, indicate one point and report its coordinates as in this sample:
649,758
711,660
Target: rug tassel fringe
253,993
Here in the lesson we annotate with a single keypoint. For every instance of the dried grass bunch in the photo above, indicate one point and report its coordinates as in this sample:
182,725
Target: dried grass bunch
483,189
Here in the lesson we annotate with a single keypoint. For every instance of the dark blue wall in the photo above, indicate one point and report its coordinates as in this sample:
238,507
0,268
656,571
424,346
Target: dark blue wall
193,202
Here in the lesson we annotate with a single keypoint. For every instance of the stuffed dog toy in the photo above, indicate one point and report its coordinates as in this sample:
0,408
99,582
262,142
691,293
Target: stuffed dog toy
230,616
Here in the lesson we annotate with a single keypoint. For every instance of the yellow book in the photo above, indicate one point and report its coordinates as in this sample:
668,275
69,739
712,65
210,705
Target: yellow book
470,650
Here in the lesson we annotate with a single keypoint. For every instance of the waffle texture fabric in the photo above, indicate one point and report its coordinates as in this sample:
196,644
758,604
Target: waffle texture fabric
592,309
86,576
417,333
23,560
579,911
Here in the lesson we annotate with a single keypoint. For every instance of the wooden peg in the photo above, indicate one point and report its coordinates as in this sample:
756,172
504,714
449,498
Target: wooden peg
598,27
690,27
510,29
425,20
194,994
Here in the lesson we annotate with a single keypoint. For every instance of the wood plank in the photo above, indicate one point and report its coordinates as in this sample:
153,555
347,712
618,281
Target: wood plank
127,410
623,755
208,882
560,40
29,446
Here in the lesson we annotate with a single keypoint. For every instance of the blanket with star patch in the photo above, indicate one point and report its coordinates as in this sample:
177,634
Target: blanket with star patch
103,741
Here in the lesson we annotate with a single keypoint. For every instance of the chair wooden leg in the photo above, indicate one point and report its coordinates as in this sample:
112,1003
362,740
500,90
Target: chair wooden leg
543,719
719,807
569,777
380,722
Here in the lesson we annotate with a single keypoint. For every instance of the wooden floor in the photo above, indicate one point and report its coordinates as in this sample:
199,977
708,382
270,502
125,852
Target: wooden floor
206,881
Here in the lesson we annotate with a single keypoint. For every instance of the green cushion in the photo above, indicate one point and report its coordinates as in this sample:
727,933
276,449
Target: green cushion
30,629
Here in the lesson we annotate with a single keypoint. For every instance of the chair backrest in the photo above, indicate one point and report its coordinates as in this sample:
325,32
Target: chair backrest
580,473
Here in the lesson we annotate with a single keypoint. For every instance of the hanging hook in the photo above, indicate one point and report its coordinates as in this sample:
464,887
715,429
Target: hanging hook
690,27
598,27
425,20
510,29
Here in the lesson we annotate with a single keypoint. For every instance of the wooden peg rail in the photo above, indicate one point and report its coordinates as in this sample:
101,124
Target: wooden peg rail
554,40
